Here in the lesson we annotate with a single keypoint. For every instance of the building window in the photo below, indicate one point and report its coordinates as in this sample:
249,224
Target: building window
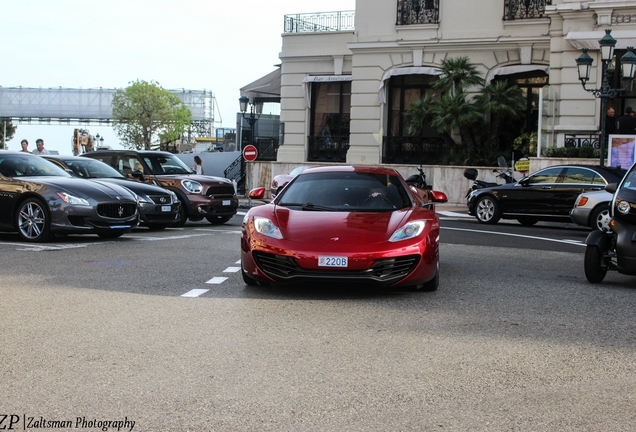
524,9
417,12
403,91
330,119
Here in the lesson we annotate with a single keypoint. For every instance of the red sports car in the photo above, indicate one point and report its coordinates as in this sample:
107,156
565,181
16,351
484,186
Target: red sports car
344,223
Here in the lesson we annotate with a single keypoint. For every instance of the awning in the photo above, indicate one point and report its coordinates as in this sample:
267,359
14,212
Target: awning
413,70
264,87
589,39
511,70
321,79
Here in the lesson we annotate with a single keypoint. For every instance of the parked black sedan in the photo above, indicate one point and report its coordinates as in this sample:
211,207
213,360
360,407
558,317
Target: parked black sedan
547,195
38,199
158,207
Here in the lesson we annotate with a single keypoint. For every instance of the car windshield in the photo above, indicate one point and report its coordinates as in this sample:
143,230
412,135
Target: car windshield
630,179
345,191
89,168
29,166
167,164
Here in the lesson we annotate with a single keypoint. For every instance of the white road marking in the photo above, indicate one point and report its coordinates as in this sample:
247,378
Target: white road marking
165,238
195,292
41,247
217,280
217,230
454,214
572,242
232,270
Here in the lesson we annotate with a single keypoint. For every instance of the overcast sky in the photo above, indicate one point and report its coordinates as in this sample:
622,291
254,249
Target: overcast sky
215,45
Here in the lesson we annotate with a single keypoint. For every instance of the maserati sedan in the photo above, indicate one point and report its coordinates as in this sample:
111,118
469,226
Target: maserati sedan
38,200
547,195
345,224
158,207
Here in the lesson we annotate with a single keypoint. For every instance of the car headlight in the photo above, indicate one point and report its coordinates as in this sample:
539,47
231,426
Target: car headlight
173,196
408,231
267,227
143,199
192,186
70,199
623,207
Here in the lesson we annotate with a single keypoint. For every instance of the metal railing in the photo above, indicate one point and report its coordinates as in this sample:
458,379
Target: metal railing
582,141
413,150
524,9
267,148
320,22
327,149
417,12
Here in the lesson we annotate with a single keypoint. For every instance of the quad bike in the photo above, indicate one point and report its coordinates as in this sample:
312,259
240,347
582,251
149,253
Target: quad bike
615,250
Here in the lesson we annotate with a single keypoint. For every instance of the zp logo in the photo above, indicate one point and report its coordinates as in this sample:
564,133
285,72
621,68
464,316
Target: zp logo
8,421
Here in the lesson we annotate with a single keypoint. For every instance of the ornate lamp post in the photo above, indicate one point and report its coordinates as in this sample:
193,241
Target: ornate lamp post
628,67
256,109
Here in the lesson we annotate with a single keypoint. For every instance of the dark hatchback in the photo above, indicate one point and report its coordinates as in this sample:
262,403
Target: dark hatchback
158,207
547,195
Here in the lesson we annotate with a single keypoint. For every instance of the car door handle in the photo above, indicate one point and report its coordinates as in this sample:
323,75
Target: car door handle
546,187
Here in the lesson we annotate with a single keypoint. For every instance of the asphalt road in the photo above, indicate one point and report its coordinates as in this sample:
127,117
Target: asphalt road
514,339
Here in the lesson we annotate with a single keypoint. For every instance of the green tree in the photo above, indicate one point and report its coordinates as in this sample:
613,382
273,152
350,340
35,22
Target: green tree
145,113
6,125
466,106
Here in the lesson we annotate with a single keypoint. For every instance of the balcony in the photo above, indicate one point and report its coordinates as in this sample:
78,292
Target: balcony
417,12
320,22
525,9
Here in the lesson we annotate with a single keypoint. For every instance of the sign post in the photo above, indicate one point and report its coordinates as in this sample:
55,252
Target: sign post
250,153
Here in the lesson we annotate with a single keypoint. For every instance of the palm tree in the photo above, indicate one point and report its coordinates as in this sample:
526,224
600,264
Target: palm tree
502,100
458,75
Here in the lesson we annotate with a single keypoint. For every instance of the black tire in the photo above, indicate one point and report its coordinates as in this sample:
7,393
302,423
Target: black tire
594,270
218,220
249,281
183,216
527,221
487,210
111,235
431,285
600,217
32,221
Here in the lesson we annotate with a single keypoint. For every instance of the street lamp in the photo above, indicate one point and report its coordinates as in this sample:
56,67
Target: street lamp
628,67
256,109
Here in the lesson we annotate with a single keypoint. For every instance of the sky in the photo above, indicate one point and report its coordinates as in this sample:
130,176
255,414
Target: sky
214,45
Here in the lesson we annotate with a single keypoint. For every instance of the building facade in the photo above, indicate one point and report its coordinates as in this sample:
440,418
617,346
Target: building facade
347,77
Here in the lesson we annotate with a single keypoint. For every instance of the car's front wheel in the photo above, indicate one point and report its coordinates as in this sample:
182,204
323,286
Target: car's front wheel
32,221
595,270
487,210
600,218
431,285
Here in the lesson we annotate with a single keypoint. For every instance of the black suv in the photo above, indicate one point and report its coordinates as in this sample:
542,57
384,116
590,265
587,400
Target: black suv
201,196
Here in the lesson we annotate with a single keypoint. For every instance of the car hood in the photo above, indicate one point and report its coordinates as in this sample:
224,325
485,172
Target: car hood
135,186
87,189
315,227
203,179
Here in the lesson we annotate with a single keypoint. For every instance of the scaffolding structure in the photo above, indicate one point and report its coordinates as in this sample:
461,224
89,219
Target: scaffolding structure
89,106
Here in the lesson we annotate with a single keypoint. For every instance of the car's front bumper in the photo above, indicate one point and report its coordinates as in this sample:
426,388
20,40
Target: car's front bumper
581,216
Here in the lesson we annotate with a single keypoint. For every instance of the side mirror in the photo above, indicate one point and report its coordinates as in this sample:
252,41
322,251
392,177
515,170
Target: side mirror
611,188
257,193
138,175
438,197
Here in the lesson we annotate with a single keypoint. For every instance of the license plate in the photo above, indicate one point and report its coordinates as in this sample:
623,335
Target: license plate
227,202
332,261
166,208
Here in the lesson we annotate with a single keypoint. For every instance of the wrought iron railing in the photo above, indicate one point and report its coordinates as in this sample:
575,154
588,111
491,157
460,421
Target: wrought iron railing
417,12
320,22
267,148
236,172
413,150
327,149
582,141
524,9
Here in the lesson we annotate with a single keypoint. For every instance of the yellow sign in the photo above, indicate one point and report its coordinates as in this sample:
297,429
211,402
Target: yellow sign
522,165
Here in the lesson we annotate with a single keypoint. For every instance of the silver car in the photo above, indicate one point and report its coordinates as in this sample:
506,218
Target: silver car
591,209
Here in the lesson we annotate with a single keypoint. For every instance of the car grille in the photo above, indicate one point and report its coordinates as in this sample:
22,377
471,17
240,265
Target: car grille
221,189
382,272
161,199
117,210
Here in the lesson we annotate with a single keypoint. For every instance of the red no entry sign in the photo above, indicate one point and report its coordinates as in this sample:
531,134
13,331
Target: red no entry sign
250,153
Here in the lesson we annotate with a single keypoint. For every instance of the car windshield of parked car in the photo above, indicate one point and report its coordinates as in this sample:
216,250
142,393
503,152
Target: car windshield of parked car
345,191
29,166
89,168
167,164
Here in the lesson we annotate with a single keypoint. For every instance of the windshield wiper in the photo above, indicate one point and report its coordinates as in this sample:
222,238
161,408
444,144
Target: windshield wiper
316,207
